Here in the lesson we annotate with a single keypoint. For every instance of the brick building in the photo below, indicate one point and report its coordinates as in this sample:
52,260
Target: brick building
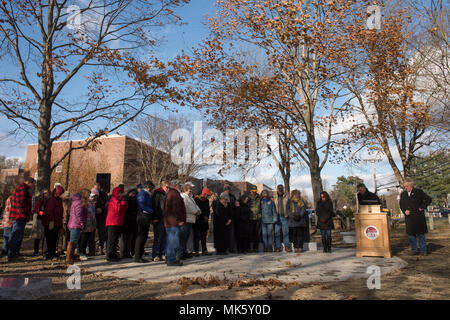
114,161
11,175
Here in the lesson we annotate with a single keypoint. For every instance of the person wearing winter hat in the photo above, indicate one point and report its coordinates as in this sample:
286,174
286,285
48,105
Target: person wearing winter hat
201,226
77,222
114,222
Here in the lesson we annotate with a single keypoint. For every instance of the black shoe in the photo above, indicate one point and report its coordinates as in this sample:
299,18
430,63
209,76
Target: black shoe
49,256
206,253
113,259
414,253
177,263
188,256
141,261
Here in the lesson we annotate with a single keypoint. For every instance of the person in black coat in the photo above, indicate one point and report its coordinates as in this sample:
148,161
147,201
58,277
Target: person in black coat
201,226
221,223
324,212
242,220
413,202
365,197
129,228
159,232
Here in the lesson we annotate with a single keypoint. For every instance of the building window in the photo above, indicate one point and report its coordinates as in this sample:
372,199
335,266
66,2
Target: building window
59,169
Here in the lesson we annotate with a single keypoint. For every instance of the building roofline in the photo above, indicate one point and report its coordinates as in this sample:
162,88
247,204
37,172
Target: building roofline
101,137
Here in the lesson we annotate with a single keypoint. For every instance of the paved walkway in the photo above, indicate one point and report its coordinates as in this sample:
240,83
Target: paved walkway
306,267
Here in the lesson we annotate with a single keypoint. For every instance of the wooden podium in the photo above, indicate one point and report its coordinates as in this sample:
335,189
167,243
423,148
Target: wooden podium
372,232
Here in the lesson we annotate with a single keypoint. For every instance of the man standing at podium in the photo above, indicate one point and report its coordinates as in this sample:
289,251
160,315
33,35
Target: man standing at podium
413,203
365,197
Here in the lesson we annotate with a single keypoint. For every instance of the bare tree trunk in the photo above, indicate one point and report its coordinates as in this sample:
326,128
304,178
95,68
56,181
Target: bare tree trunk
44,147
314,169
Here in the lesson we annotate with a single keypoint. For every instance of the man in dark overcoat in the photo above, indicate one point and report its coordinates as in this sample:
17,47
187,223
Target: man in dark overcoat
413,202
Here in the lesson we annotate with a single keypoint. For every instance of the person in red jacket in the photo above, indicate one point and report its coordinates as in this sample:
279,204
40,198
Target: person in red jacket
52,220
114,222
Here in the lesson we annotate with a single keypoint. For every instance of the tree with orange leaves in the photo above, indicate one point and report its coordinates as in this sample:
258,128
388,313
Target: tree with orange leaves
75,67
300,43
383,77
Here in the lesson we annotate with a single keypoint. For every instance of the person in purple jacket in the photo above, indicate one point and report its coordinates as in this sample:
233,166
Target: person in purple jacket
77,222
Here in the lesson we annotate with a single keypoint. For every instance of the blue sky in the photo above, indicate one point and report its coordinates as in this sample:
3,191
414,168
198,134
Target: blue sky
184,38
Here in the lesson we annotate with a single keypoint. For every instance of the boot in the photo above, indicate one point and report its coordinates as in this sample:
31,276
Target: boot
329,245
325,245
69,253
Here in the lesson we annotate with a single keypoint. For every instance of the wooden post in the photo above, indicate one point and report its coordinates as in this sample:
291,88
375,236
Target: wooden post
448,216
347,221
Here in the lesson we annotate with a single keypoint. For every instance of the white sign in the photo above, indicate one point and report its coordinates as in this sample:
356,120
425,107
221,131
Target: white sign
371,232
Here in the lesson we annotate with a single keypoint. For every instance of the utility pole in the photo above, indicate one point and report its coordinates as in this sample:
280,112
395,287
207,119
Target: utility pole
373,160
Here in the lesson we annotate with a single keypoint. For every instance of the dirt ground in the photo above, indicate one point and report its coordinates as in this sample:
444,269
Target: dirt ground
425,277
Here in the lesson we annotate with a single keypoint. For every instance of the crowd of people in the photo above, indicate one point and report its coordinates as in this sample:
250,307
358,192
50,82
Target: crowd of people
90,222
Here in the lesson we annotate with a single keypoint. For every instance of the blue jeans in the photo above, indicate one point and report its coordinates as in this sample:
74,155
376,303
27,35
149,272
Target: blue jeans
422,242
15,239
267,235
172,243
159,242
6,237
75,235
282,227
326,234
185,231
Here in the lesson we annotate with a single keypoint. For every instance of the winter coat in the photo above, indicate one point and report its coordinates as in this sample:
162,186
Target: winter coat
6,220
129,221
101,204
324,212
90,221
243,216
21,203
416,222
158,199
282,205
78,213
221,231
298,217
174,209
254,203
268,211
192,210
37,229
203,218
368,198
53,209
144,201
116,209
